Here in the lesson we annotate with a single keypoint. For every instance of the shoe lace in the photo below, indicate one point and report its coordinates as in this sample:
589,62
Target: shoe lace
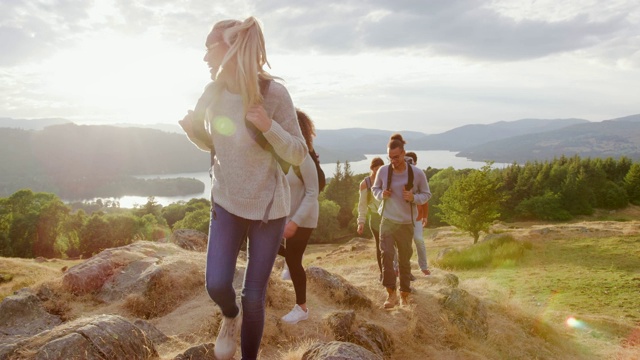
229,326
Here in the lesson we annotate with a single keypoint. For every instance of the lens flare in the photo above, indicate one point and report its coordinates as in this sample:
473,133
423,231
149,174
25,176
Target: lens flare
572,322
224,126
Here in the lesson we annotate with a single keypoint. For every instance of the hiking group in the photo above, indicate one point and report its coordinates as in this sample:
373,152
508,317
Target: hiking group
266,178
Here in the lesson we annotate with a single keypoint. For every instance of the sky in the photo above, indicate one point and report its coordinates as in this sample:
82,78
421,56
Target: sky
421,65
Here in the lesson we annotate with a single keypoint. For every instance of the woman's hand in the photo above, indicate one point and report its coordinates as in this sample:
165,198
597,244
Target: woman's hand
257,115
187,123
360,228
290,230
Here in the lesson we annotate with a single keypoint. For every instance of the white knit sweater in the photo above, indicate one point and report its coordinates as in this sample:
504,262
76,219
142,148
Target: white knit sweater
245,176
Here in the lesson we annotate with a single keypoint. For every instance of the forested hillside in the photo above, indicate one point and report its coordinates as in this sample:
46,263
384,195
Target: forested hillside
68,158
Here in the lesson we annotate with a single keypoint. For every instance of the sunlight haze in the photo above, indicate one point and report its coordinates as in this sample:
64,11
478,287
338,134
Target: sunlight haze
422,66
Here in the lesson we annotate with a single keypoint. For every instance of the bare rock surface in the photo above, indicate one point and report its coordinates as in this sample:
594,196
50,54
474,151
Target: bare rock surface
337,350
104,337
338,288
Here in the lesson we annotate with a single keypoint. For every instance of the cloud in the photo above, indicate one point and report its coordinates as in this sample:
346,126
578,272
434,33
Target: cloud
30,30
466,28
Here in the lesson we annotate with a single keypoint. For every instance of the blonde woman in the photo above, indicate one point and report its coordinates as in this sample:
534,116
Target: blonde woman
250,194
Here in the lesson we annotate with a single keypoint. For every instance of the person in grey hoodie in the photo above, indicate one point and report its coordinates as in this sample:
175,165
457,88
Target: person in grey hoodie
398,211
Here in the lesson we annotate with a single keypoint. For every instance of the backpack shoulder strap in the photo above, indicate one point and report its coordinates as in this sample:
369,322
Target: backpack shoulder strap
258,136
410,183
389,174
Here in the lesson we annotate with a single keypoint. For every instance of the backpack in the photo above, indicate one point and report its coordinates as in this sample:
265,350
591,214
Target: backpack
207,98
322,181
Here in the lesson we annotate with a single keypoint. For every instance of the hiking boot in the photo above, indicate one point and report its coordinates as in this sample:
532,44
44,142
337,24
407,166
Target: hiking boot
404,298
392,299
296,315
426,272
411,277
225,346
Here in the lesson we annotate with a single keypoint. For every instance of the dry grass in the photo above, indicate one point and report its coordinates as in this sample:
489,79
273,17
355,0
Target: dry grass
19,273
165,291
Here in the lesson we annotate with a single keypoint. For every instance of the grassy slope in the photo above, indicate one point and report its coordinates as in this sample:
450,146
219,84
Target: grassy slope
589,276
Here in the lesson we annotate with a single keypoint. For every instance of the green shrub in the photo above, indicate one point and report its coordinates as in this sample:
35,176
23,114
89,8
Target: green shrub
503,251
196,220
543,207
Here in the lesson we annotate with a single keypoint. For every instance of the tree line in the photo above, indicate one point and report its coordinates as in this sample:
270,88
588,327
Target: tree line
36,224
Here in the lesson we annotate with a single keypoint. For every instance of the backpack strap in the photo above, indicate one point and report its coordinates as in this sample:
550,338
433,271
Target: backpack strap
410,182
367,182
389,175
410,186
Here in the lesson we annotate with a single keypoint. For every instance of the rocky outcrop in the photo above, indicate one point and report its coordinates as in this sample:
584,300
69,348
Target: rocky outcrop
116,273
337,287
188,239
368,335
100,337
200,352
465,311
22,314
337,350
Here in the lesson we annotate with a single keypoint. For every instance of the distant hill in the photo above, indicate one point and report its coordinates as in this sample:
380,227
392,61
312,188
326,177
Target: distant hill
66,156
63,148
609,138
352,144
31,124
468,136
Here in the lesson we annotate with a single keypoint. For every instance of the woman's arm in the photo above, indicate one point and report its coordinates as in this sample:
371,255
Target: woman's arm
362,203
284,133
309,204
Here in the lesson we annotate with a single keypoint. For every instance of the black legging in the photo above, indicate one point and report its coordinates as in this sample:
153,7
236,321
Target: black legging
293,255
374,225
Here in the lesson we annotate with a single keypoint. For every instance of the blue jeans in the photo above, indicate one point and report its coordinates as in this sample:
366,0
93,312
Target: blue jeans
227,232
421,249
392,236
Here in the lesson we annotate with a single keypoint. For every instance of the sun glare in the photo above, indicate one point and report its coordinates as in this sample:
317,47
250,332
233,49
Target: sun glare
136,79
574,323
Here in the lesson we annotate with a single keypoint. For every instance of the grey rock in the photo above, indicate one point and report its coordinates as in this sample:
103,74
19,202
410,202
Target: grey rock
188,239
23,314
337,350
465,311
338,288
152,332
90,275
72,346
200,352
374,338
109,337
340,323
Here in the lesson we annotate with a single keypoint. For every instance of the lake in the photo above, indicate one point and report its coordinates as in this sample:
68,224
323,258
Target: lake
435,159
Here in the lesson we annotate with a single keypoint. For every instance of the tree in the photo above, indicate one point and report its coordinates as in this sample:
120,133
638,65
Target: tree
343,190
472,202
632,184
196,220
328,224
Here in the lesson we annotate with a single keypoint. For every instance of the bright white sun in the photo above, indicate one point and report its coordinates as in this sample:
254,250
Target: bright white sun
135,79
